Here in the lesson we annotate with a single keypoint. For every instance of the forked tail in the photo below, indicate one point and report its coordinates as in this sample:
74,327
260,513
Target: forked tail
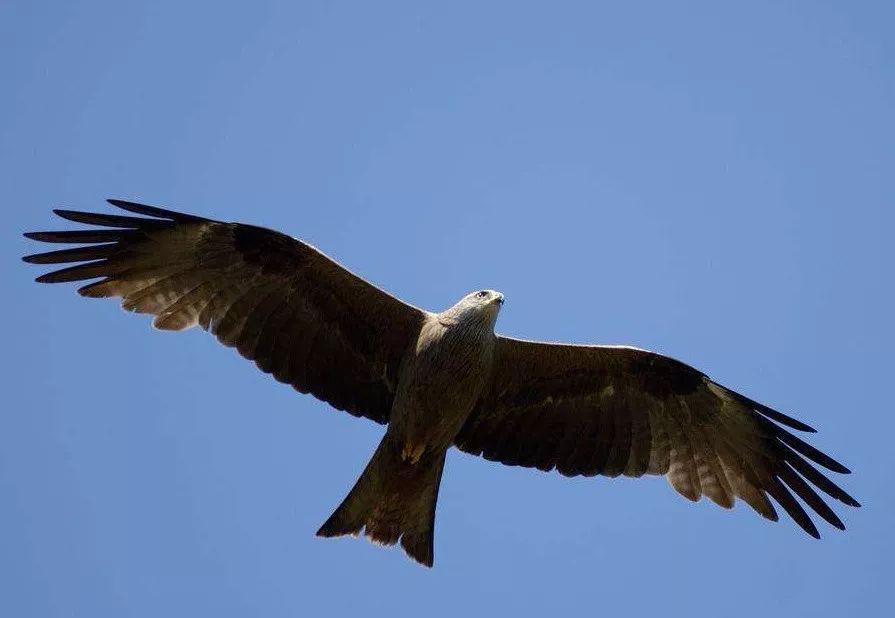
392,500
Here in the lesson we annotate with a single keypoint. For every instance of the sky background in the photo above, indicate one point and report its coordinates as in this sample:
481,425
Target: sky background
709,180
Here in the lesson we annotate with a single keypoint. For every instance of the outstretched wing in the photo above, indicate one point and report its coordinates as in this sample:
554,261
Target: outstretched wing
283,304
588,410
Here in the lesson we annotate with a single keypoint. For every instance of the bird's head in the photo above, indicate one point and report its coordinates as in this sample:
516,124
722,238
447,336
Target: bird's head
484,298
476,306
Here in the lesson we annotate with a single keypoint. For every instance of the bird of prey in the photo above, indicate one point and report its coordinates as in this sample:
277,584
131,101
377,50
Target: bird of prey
441,379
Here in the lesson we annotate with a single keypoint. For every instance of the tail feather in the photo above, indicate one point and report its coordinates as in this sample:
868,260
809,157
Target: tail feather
393,500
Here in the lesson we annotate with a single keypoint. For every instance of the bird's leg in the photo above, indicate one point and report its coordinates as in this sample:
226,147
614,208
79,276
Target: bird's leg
412,452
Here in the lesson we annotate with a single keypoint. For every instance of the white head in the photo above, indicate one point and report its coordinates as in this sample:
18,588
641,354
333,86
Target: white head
482,305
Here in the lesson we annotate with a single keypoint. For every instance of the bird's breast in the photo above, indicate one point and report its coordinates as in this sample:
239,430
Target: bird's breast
439,386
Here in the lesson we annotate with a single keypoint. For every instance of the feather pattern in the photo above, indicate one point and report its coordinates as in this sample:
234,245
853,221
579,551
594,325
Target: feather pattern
309,322
295,312
615,410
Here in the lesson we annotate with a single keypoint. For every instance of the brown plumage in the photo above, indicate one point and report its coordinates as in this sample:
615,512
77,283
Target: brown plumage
441,379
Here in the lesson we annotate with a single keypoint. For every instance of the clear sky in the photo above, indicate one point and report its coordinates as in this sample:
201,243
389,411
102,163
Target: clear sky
710,180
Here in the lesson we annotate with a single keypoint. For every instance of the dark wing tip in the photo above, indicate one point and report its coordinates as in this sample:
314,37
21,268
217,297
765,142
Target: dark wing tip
783,419
810,452
154,211
848,500
787,420
767,415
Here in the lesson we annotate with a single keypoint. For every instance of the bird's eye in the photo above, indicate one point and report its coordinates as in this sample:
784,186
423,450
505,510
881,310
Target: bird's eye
482,294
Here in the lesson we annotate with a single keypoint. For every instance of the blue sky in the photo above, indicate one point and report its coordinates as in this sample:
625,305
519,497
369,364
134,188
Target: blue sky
709,180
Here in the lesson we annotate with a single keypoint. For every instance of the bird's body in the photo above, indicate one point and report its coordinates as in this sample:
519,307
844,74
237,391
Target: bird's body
444,373
442,376
441,379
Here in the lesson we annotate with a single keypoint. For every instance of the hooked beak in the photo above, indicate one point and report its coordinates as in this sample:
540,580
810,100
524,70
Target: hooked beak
499,299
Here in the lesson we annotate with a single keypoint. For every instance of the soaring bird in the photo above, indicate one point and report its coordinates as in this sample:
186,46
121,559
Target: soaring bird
441,379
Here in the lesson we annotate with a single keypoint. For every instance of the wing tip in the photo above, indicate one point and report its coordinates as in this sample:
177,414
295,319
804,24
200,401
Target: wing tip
155,211
136,207
812,453
766,411
783,419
